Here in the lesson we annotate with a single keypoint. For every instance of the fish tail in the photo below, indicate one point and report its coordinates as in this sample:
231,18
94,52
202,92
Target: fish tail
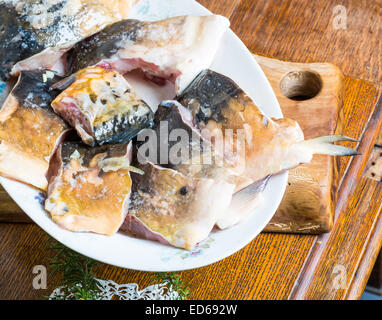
324,145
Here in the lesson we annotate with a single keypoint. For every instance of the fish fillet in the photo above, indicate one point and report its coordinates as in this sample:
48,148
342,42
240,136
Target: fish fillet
85,193
256,145
37,33
103,107
171,208
29,129
175,49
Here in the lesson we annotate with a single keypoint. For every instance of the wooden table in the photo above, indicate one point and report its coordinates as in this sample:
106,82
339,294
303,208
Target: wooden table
275,266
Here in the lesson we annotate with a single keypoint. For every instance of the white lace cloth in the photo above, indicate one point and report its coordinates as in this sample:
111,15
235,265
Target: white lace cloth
130,291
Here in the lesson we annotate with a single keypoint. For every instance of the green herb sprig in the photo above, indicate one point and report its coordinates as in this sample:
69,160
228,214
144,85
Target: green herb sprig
174,282
78,282
75,273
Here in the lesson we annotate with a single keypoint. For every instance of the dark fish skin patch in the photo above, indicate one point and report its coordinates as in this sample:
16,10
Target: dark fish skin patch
118,130
18,40
123,128
103,44
169,113
208,94
57,6
31,91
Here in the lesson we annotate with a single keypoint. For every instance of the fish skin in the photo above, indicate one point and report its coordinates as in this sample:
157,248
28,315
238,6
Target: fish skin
201,160
212,93
102,106
170,115
171,208
31,84
37,33
104,44
174,49
271,146
29,130
81,196
178,202
13,51
218,104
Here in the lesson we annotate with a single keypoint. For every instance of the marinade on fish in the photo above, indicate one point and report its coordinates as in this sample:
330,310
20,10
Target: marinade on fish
171,208
175,49
37,33
102,107
29,129
89,188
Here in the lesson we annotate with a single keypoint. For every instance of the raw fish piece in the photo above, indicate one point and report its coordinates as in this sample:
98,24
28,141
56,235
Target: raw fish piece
199,160
180,146
175,49
89,188
184,192
102,107
220,111
171,208
219,108
37,33
29,129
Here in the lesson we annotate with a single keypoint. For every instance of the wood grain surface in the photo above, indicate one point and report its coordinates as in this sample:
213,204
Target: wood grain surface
268,268
312,94
276,266
305,31
9,210
374,284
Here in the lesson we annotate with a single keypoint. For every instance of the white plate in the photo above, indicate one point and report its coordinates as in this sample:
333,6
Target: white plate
234,60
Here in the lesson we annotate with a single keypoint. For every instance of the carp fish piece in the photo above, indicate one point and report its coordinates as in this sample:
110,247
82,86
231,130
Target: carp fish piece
102,107
89,188
175,49
196,158
30,131
171,208
37,33
211,112
220,107
176,201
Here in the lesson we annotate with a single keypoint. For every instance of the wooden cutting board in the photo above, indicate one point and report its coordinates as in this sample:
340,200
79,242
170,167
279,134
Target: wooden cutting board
312,94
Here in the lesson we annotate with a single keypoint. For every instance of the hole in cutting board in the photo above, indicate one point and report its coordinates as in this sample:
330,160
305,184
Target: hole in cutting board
301,85
374,165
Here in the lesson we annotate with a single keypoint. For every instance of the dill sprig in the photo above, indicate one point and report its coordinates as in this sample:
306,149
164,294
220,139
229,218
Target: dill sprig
75,273
78,281
174,282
